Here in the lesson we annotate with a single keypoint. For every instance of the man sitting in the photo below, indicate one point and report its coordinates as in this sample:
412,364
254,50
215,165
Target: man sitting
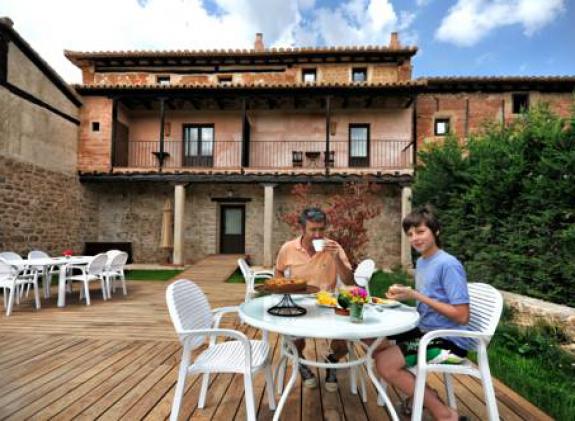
299,259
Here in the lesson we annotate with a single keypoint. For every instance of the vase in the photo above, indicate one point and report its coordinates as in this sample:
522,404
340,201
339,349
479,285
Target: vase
356,313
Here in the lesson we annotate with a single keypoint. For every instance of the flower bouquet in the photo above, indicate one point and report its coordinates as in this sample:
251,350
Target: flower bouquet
358,297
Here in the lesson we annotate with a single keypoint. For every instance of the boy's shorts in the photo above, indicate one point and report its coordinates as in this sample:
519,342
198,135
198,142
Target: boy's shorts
439,350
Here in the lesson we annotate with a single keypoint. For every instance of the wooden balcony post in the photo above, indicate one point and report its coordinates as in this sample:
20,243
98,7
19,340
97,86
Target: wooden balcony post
327,134
162,121
245,153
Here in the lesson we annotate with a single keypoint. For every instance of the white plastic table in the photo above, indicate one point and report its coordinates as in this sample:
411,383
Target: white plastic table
321,322
62,263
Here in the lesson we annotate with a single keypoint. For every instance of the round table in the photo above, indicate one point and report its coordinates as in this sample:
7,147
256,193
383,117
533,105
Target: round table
322,322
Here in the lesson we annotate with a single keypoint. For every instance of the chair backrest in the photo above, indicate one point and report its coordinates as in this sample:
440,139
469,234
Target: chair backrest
486,306
245,269
363,272
97,265
38,254
112,253
189,309
118,261
10,256
7,271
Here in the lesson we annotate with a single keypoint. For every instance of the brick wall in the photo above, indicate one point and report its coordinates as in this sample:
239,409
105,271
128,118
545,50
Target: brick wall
468,112
94,148
43,209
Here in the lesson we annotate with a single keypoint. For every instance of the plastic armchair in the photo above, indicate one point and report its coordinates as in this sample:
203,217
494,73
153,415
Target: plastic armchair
194,321
486,305
250,277
44,271
363,273
114,270
13,277
93,271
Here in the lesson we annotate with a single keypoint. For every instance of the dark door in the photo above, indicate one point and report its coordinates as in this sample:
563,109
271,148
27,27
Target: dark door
198,145
359,145
232,233
121,145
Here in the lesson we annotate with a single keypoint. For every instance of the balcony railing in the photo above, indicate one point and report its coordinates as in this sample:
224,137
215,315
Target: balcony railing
267,154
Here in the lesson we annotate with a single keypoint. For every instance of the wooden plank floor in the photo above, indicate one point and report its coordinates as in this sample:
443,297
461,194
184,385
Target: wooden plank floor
118,359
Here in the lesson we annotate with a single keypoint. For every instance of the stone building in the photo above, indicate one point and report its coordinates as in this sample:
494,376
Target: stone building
224,135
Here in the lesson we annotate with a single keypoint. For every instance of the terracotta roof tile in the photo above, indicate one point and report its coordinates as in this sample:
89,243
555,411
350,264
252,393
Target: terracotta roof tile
70,54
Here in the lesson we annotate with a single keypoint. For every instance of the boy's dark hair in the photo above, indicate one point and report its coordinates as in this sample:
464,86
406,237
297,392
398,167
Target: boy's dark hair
423,215
313,215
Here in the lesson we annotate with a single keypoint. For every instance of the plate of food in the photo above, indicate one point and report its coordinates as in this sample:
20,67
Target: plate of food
326,299
384,302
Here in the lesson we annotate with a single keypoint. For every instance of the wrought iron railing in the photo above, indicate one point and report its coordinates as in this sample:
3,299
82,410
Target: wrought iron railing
267,154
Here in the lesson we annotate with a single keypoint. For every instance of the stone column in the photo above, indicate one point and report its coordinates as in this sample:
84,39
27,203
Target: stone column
405,210
179,207
268,223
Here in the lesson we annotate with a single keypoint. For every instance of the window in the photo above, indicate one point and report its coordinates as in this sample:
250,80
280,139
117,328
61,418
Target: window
359,145
198,145
225,80
163,80
95,126
520,103
359,74
441,127
308,75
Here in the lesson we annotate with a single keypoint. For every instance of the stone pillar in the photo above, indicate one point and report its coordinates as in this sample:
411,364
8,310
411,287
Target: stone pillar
268,223
179,207
405,210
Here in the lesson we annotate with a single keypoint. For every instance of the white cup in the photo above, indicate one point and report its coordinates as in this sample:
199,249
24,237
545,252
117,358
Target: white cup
318,244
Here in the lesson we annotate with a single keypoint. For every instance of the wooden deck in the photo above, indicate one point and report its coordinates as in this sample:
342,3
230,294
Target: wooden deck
119,358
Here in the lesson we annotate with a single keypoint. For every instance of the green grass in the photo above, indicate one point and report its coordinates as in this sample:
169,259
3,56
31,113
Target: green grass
238,278
151,275
531,362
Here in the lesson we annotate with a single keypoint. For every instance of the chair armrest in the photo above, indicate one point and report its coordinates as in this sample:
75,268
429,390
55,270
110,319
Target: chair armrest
217,314
264,272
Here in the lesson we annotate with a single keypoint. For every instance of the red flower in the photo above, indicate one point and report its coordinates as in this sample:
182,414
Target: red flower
68,252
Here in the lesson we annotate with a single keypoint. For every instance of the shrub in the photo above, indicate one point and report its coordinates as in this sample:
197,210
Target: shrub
506,202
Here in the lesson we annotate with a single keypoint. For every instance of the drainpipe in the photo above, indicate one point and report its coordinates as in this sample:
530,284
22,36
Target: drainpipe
327,124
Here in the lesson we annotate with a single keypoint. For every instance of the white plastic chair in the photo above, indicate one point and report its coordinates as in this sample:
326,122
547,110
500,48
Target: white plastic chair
43,271
114,270
194,322
363,273
93,271
486,305
13,277
250,277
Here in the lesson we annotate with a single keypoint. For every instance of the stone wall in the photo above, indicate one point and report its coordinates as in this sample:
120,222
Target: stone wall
44,209
529,311
133,212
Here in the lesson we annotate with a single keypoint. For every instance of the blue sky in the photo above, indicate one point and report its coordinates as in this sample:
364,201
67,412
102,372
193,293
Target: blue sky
455,37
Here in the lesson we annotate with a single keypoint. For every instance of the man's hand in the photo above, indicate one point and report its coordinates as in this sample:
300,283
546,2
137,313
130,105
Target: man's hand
331,247
400,292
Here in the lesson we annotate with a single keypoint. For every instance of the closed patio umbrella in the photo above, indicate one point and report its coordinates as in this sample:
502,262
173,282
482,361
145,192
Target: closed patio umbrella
166,241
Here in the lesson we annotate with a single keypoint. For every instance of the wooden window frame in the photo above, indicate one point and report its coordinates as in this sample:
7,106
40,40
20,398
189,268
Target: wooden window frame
359,162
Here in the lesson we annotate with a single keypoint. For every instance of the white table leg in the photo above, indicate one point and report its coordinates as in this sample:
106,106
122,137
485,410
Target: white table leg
62,286
46,282
294,357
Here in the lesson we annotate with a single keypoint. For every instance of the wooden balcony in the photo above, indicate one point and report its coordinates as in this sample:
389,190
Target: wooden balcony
302,155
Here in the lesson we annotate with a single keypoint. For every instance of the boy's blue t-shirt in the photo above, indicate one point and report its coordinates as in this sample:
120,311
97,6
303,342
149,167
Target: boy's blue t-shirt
442,278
